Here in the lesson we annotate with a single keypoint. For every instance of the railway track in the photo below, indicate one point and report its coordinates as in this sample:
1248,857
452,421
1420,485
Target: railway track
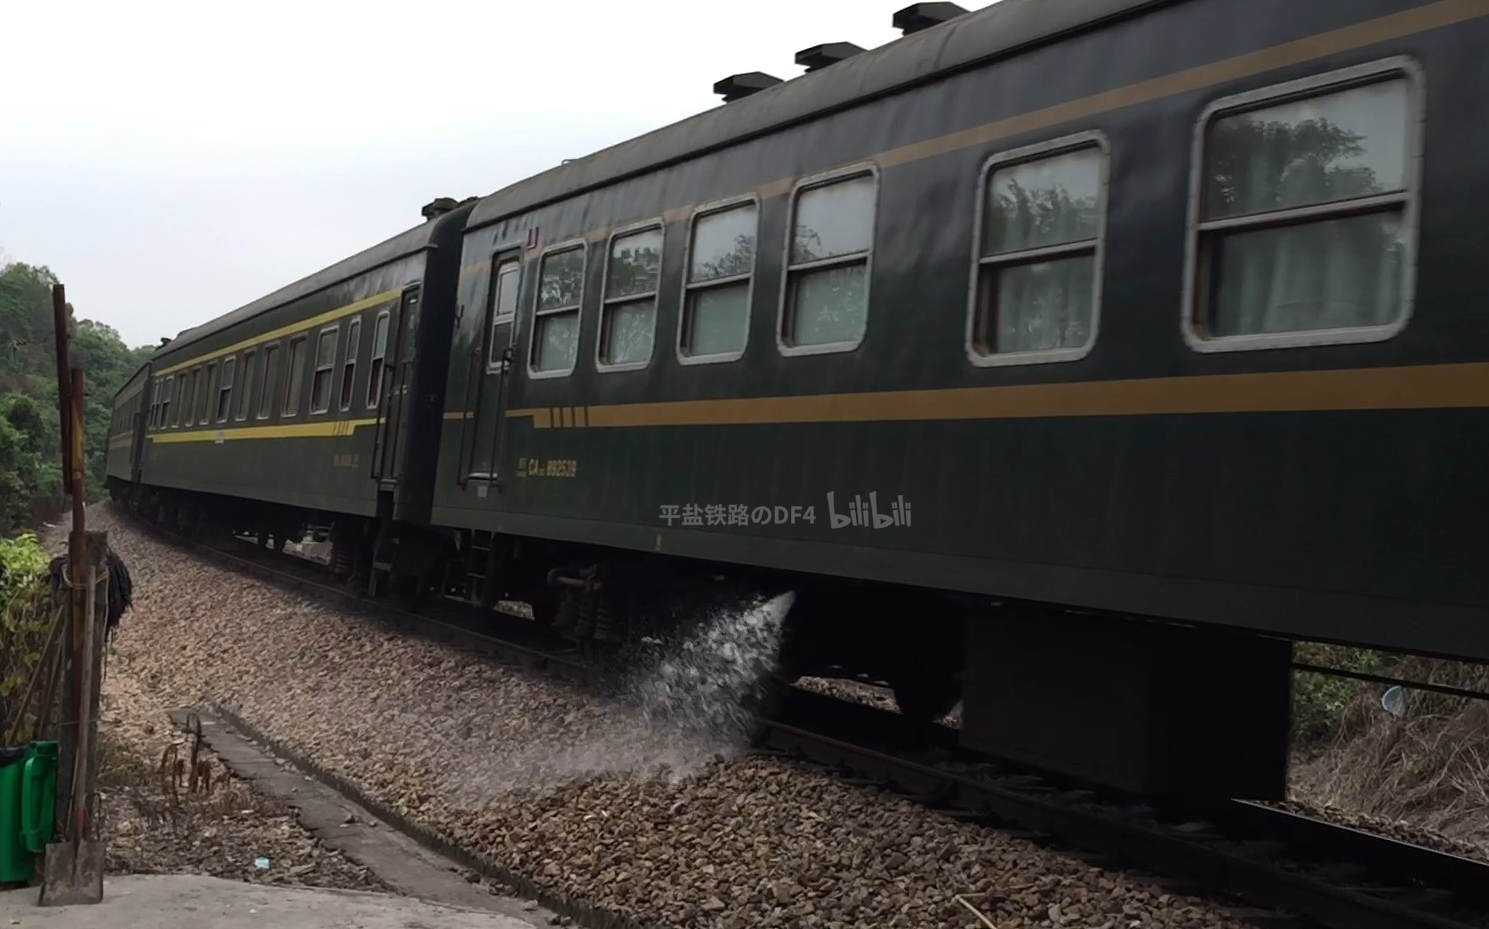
1280,866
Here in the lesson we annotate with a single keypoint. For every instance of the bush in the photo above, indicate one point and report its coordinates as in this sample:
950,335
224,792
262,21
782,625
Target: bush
27,613
1321,701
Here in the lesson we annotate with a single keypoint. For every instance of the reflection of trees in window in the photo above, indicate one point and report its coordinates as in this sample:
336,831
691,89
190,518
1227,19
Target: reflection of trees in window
1041,221
628,312
225,389
1303,222
504,304
246,387
560,290
325,365
721,261
349,363
296,380
271,374
827,282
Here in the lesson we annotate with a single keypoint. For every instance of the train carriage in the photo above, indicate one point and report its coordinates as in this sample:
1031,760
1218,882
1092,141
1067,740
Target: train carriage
314,399
1065,359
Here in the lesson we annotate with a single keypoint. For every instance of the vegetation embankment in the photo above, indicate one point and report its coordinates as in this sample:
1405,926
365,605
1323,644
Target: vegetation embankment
1420,757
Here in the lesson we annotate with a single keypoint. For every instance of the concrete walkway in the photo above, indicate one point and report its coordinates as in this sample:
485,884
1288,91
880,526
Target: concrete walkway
191,902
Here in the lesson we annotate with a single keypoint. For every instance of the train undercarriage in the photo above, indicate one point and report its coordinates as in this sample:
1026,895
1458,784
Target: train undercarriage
1151,708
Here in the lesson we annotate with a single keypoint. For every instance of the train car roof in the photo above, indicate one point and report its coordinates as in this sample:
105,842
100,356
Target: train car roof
1003,28
404,243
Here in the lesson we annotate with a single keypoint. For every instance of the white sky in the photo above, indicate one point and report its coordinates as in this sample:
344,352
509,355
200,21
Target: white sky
171,161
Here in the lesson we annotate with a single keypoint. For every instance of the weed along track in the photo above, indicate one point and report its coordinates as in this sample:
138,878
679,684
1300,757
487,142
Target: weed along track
486,740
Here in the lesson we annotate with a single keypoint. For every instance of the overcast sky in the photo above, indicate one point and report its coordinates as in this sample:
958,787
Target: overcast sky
171,161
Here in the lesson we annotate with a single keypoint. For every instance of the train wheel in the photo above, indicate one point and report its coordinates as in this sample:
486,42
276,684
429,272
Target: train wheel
926,696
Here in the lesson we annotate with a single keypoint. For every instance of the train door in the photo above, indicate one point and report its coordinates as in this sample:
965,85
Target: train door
138,422
487,370
387,456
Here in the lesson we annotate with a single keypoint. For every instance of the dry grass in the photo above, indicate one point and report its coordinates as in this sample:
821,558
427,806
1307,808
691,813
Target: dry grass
1428,767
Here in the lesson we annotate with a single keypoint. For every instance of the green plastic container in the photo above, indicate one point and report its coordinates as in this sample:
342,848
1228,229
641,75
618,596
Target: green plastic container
28,797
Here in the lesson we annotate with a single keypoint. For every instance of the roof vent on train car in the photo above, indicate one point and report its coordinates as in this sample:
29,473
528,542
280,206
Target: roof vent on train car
438,207
918,16
738,86
820,56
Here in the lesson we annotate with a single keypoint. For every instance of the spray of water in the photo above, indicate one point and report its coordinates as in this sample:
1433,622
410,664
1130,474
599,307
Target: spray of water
704,687
686,704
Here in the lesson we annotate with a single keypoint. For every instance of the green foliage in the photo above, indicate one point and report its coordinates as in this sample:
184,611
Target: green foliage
30,424
1321,702
27,613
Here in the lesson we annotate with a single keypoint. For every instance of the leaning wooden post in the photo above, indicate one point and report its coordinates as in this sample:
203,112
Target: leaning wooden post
77,608
73,868
64,408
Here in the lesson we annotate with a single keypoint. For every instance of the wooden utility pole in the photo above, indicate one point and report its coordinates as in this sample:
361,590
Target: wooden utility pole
73,869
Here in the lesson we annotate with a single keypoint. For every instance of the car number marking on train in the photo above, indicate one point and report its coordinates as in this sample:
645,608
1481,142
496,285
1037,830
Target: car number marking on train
553,467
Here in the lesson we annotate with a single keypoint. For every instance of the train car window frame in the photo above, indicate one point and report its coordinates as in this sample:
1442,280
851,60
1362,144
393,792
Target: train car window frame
245,386
224,405
209,395
501,258
293,390
580,245
183,398
266,385
377,363
193,409
328,369
607,303
1199,257
165,386
792,272
980,306
347,387
690,287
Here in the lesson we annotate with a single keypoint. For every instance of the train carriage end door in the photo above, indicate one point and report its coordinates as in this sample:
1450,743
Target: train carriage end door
489,368
138,424
392,418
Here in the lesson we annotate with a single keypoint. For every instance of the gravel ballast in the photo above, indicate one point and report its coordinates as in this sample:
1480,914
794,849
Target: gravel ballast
598,803
225,828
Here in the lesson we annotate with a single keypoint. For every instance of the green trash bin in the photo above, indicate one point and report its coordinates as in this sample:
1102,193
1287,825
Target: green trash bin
28,797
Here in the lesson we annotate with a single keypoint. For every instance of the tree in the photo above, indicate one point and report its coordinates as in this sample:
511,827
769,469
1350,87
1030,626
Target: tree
30,431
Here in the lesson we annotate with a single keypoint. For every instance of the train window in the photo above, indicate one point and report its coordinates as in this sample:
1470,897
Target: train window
378,367
182,399
271,374
1302,210
194,400
349,365
323,379
555,345
628,312
225,389
503,305
245,389
825,306
204,404
1036,290
294,380
163,413
715,323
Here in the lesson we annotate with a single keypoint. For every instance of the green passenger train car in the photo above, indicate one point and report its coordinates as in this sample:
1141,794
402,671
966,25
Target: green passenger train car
1067,360
310,399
